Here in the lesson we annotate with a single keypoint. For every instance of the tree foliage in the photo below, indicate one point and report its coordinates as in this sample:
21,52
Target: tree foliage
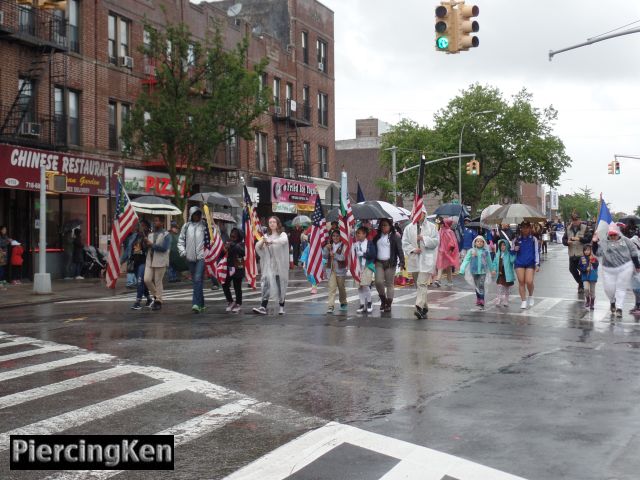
637,210
203,96
514,143
583,202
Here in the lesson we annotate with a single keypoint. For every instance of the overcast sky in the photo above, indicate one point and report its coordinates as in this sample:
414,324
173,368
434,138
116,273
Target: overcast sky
386,67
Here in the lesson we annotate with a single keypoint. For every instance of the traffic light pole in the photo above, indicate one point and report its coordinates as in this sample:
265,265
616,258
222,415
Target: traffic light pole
592,41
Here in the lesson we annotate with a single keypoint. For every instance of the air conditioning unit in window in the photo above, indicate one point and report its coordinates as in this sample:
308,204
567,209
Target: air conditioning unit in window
293,105
30,129
126,62
289,172
321,66
326,175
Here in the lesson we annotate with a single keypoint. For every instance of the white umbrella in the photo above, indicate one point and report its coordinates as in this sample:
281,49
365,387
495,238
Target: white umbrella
515,213
301,220
397,214
154,205
488,211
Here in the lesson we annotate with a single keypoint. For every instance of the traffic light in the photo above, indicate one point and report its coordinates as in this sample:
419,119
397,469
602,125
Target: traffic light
446,28
473,168
617,167
466,26
612,167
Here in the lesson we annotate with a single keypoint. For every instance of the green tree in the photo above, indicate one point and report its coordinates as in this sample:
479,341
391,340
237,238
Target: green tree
637,210
514,143
203,96
583,202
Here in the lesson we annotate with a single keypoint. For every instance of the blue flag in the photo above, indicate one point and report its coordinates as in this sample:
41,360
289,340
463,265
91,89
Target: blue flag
604,219
360,194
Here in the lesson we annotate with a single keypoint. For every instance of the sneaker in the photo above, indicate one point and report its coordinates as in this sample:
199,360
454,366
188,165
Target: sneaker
635,310
619,313
344,307
236,308
531,302
361,309
230,306
156,305
612,308
150,302
260,310
481,303
523,305
79,277
136,306
195,309
369,307
419,313
329,310
314,290
436,283
281,311
215,287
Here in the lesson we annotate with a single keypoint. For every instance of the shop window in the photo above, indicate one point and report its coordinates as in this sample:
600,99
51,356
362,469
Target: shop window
64,212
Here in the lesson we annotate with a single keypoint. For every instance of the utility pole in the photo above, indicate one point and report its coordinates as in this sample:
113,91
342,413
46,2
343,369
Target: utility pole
394,173
591,41
42,280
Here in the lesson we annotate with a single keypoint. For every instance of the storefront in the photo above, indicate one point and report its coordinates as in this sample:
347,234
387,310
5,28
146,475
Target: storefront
290,197
84,205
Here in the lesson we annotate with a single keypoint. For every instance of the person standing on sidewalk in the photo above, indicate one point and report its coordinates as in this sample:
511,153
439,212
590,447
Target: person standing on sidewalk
158,248
575,237
273,250
422,251
234,249
389,255
191,246
5,241
16,262
139,249
78,254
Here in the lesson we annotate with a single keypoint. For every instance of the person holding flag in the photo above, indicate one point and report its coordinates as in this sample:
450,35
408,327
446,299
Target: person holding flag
273,249
618,259
389,255
191,245
158,245
123,224
251,232
234,253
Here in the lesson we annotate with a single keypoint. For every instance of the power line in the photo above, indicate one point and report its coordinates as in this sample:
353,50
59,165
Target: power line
614,30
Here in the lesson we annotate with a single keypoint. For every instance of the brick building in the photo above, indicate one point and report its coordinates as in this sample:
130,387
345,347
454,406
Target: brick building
69,78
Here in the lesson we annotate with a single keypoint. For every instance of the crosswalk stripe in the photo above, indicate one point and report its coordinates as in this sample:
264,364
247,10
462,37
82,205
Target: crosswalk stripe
93,412
33,352
63,362
59,387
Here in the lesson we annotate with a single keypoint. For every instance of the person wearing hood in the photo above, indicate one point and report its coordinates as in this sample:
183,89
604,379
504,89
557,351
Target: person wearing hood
635,282
448,254
139,250
618,258
505,271
478,259
16,262
158,249
273,249
191,247
420,242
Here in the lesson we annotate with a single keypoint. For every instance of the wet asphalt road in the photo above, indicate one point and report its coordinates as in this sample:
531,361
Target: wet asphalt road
549,393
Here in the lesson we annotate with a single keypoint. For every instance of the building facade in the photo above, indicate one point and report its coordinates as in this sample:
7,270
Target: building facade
71,76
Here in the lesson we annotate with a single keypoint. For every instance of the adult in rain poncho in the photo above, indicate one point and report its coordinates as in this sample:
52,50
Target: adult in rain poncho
422,252
448,253
273,249
618,259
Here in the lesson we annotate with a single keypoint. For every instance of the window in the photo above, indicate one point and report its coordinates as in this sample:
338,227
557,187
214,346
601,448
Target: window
277,154
305,47
306,105
113,57
323,109
231,149
59,27
306,157
261,151
124,38
288,92
263,81
118,115
67,125
74,29
59,116
322,157
25,87
74,117
118,34
322,48
290,159
26,19
276,92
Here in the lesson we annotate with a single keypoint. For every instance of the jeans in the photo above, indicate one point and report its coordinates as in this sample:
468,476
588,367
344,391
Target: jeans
237,287
77,269
197,272
142,290
172,274
575,270
131,279
478,280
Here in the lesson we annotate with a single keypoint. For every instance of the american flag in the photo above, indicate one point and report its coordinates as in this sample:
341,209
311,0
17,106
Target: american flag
212,249
123,223
418,205
250,225
316,241
222,269
347,225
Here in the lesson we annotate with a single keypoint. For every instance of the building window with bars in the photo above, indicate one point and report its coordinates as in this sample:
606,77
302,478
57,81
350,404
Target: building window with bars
322,48
74,117
26,105
261,151
323,109
74,26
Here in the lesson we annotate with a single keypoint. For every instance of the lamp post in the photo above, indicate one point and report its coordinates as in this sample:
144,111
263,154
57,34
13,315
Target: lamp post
460,151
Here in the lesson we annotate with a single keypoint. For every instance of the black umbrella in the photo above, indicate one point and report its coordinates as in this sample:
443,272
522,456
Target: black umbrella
630,218
451,210
370,211
214,198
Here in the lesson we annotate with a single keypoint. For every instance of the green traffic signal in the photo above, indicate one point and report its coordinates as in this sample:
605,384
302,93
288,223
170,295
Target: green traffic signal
442,43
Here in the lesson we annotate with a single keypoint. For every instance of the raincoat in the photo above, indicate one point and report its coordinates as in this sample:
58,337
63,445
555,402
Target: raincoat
508,258
274,261
480,263
448,253
617,261
191,239
426,260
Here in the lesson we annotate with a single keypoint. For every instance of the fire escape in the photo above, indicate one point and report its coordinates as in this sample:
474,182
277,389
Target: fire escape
289,120
40,27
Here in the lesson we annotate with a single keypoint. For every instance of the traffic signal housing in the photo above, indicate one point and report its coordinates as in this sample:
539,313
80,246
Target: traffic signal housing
473,168
612,167
446,28
616,167
466,26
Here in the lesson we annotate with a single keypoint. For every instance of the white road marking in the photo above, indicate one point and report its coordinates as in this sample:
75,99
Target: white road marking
33,352
63,362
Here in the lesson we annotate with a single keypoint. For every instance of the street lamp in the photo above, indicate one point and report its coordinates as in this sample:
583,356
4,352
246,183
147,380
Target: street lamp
460,151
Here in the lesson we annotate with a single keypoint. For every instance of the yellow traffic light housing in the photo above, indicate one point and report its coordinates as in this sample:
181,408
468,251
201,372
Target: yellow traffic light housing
473,168
469,167
446,28
466,26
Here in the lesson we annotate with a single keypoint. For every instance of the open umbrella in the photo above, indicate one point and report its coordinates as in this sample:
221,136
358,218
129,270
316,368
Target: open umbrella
154,205
515,213
488,211
397,214
214,198
451,210
629,219
360,212
300,221
223,217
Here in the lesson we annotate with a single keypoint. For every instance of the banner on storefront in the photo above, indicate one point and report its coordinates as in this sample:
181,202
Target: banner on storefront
146,182
283,207
284,190
553,200
85,175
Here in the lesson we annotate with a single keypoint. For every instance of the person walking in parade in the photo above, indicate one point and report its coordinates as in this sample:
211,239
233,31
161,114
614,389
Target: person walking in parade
478,259
589,270
448,255
234,249
304,260
389,255
336,268
467,239
273,250
191,246
505,271
139,249
422,252
575,237
78,254
158,249
176,263
527,263
618,258
366,255
635,281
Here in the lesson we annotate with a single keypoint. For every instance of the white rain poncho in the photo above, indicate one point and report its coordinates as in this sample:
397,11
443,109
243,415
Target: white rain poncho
617,263
274,261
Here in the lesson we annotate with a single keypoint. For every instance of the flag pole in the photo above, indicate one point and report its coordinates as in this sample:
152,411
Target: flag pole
420,185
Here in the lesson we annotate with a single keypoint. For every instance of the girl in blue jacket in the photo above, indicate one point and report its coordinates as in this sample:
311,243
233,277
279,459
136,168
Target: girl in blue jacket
588,267
527,262
478,259
503,266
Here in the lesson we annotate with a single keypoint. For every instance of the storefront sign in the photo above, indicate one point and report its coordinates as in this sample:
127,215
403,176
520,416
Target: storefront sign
145,182
85,176
291,191
284,207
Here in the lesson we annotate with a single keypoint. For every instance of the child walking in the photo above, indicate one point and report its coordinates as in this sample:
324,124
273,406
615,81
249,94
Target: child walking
366,253
506,273
589,273
635,280
478,259
16,262
334,253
